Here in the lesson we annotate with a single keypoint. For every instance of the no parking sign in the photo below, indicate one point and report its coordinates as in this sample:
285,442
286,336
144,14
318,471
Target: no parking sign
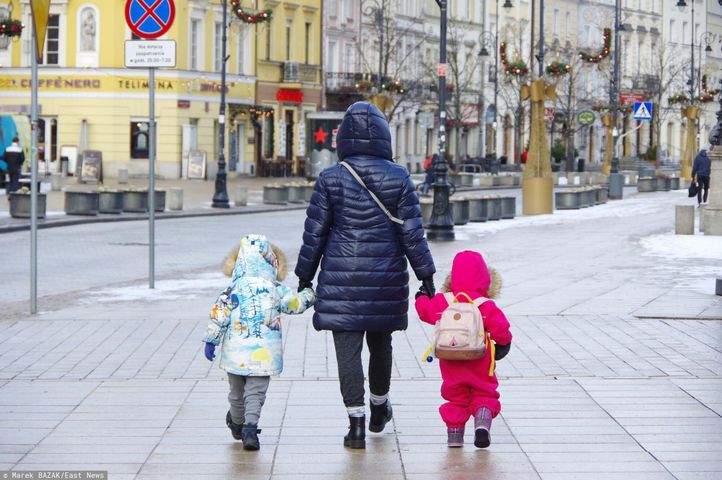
149,18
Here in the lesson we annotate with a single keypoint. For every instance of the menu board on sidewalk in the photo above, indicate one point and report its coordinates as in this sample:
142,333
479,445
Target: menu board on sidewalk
197,164
92,168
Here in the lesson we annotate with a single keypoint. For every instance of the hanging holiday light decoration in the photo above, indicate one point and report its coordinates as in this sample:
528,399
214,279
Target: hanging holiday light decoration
603,53
517,68
557,69
11,28
250,18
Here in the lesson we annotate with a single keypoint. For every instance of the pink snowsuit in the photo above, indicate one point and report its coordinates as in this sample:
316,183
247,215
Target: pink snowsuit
467,385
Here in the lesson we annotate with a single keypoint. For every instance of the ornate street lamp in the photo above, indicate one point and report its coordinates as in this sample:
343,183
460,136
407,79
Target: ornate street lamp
486,39
441,224
220,197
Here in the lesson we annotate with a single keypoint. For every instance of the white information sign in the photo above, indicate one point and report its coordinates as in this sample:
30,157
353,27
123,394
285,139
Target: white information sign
149,53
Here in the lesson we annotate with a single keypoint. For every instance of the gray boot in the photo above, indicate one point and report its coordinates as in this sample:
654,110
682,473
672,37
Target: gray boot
455,437
482,427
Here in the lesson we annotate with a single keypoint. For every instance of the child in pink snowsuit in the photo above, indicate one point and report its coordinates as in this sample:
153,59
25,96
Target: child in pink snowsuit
470,386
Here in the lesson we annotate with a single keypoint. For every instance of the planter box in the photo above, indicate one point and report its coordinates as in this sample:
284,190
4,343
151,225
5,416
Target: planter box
137,202
460,211
674,183
296,193
486,181
646,184
603,194
587,198
20,204
308,192
275,195
478,210
664,184
508,207
110,202
506,180
496,180
569,200
494,208
82,203
465,180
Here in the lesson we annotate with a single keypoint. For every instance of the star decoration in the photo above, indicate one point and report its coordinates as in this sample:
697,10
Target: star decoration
320,135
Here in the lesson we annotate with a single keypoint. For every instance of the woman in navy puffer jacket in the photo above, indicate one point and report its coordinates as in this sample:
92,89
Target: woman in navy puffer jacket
363,286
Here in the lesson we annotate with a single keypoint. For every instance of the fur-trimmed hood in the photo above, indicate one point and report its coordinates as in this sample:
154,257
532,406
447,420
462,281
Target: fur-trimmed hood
229,262
469,272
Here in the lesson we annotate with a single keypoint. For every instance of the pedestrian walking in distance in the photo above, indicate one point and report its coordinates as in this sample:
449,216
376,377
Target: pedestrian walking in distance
362,224
469,386
702,168
246,322
14,157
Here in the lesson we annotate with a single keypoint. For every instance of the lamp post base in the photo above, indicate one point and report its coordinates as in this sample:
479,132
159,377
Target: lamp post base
220,198
441,223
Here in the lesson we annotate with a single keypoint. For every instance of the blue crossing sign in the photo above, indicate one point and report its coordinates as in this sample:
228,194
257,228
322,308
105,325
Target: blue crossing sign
149,18
642,110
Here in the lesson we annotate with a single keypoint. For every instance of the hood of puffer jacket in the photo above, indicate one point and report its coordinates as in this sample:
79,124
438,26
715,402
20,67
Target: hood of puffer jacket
229,263
255,259
364,131
470,273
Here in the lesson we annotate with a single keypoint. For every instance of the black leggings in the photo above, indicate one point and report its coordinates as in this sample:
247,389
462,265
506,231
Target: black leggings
350,370
702,183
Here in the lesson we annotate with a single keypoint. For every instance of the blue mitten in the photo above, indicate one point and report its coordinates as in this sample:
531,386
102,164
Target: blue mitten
210,351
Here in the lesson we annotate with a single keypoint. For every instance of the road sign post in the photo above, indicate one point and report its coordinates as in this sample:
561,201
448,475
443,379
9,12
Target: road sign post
150,20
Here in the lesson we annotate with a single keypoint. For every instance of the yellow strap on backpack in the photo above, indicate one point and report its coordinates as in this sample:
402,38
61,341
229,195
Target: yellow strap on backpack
492,350
456,298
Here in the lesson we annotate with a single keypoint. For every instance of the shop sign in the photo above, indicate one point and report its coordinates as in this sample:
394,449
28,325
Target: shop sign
184,104
586,117
301,143
289,96
631,97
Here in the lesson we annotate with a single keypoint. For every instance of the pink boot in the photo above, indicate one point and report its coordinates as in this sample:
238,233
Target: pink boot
482,427
455,437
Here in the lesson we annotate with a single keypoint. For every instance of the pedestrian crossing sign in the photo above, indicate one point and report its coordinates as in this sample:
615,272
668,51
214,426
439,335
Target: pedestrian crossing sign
642,110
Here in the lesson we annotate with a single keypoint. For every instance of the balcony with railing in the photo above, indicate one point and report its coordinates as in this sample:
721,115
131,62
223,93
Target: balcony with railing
295,72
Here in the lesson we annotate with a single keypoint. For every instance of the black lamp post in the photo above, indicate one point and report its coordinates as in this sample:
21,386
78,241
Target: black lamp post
485,39
220,197
441,224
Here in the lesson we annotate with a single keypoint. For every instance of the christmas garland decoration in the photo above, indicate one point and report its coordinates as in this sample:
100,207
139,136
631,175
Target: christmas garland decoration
706,90
558,69
604,53
261,111
391,86
705,97
622,107
678,98
11,28
245,17
518,68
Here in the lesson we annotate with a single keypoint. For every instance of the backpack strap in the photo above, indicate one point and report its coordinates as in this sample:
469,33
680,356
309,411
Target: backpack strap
480,301
373,195
449,297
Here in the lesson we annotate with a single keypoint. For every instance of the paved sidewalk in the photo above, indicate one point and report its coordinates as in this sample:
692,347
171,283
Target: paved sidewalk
115,378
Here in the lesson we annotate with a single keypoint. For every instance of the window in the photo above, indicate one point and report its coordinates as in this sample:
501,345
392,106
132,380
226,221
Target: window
195,37
684,31
139,139
556,22
333,8
308,43
52,42
217,46
332,57
240,59
567,22
289,22
347,57
268,42
671,30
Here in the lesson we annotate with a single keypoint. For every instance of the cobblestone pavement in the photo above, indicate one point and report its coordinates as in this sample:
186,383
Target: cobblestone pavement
605,379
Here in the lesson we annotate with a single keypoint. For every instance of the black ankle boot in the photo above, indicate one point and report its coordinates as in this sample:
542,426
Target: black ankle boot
249,435
356,437
380,416
234,427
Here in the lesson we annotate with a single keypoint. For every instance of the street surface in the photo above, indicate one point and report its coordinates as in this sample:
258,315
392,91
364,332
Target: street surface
615,370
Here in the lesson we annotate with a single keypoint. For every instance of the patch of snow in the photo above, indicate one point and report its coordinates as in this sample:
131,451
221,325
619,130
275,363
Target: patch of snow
164,289
669,245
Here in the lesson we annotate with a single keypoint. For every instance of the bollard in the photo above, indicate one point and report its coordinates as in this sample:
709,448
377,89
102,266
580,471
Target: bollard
122,175
240,196
684,220
175,198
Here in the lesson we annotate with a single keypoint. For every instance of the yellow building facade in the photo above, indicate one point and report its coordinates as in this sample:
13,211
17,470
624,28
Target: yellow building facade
90,101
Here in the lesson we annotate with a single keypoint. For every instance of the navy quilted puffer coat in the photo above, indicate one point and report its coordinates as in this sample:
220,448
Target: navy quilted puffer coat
364,283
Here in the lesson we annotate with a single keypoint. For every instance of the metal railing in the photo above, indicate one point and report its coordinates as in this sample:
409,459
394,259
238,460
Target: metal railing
293,72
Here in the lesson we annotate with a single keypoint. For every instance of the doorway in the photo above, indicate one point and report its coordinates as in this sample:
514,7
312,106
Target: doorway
240,143
288,164
48,144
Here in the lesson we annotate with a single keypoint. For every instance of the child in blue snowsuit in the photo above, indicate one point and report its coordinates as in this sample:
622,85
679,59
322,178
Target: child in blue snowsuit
246,321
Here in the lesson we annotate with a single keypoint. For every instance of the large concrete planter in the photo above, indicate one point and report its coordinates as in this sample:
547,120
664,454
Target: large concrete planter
506,180
308,192
588,198
20,204
486,181
664,184
494,203
460,211
674,183
137,201
508,207
603,194
82,203
275,194
465,180
110,202
646,184
568,199
496,180
478,209
296,193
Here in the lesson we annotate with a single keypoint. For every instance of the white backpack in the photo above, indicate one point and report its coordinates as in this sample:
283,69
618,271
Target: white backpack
459,334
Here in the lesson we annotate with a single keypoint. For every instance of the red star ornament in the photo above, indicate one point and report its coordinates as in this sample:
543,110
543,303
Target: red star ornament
320,135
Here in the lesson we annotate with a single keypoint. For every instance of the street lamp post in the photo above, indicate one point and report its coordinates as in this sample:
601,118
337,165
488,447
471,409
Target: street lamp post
220,197
486,42
616,180
441,224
